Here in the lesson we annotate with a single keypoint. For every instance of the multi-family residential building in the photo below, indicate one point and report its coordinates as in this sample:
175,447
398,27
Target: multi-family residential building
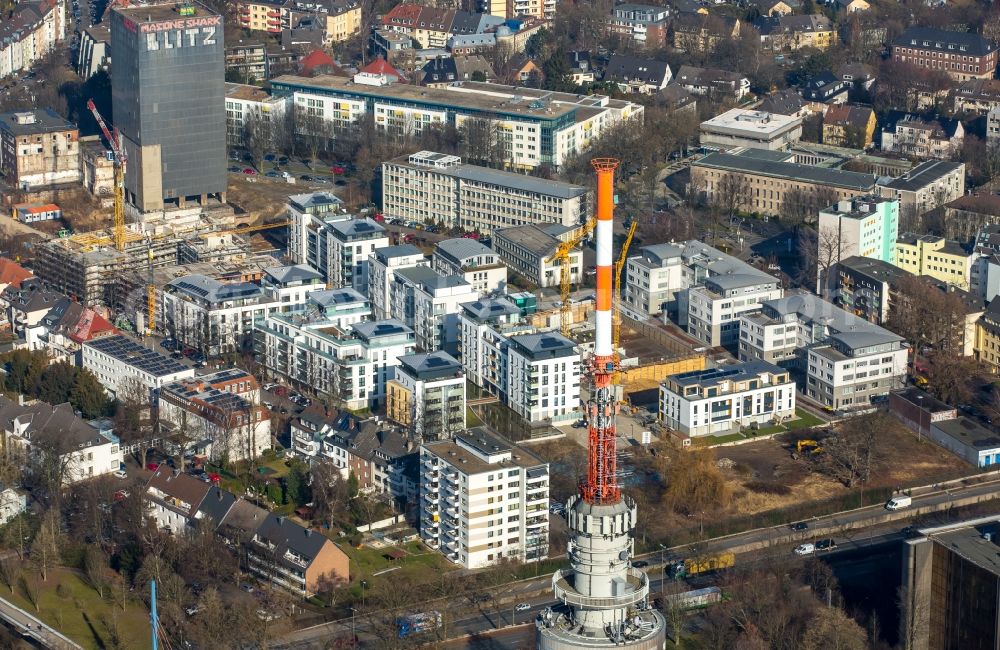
912,135
428,302
710,311
740,127
172,499
726,399
698,32
637,74
335,244
653,277
866,226
483,500
527,250
352,364
645,24
251,112
217,318
552,125
851,368
87,449
784,332
477,263
300,560
94,53
977,96
120,362
713,82
38,148
936,257
383,264
794,32
849,126
338,19
219,415
864,286
961,55
925,187
767,181
433,187
427,395
29,31
485,325
432,27
987,347
543,377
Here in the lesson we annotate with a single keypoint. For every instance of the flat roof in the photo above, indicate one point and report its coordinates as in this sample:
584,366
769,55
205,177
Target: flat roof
731,373
43,120
546,345
970,433
157,12
812,308
743,122
749,162
922,175
923,399
530,237
129,351
430,365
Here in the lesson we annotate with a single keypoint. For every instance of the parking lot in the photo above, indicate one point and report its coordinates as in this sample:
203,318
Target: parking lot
276,166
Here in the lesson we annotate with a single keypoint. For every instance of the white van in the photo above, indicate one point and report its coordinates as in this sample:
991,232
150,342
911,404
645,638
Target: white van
898,503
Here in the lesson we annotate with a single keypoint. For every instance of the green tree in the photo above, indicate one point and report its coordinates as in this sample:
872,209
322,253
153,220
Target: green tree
297,485
23,370
557,73
87,395
56,383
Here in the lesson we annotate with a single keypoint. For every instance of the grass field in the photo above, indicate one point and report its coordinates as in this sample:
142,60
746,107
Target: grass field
71,606
420,565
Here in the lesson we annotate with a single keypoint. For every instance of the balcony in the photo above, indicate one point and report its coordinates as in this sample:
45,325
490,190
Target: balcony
637,581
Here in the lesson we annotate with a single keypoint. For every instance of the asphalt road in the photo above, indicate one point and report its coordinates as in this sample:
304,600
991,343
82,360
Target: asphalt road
773,542
32,628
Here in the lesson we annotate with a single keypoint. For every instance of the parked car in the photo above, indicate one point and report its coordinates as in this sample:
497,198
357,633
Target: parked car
152,466
825,545
269,386
799,525
120,473
638,564
522,607
805,549
337,169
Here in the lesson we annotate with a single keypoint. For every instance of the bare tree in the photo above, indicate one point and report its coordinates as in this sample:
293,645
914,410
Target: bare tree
134,417
257,138
831,247
914,607
45,547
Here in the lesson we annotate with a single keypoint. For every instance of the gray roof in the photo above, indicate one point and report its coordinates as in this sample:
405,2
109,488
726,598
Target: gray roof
874,269
486,309
285,534
545,345
521,182
922,175
295,273
941,39
462,248
632,68
429,279
211,290
430,365
357,228
46,121
530,237
342,296
40,416
970,433
813,309
736,280
314,200
730,373
750,162
387,253
130,351
216,504
373,329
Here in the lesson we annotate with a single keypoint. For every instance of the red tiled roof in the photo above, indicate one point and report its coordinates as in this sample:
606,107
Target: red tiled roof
90,326
12,273
315,59
381,66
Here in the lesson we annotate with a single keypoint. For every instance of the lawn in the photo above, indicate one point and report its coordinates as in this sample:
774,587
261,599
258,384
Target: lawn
471,419
71,606
708,441
804,421
421,564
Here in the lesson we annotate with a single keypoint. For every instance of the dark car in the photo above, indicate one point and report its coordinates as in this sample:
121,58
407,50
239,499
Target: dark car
305,177
638,564
799,525
826,545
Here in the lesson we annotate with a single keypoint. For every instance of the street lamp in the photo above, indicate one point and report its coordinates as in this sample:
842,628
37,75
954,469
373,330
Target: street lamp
663,569
354,635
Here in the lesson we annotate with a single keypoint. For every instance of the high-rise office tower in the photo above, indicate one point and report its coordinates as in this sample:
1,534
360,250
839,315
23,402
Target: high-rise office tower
168,88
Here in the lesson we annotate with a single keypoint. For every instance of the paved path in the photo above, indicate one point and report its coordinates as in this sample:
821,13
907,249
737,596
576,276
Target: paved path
32,628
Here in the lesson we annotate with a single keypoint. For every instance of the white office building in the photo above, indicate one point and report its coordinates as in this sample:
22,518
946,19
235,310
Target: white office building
726,399
431,187
711,310
382,266
653,278
428,302
740,127
118,361
483,500
478,264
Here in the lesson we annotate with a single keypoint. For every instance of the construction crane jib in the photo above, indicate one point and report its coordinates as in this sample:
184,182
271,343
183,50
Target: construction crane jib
121,159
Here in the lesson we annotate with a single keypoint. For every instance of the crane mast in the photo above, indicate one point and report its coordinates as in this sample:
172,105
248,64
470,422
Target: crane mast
121,160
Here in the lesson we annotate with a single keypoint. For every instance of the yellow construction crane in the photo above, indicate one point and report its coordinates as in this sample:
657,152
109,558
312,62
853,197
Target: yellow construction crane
121,158
562,256
248,229
617,300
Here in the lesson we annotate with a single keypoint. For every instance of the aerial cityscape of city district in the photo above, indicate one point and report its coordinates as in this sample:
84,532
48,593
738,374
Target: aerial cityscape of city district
522,325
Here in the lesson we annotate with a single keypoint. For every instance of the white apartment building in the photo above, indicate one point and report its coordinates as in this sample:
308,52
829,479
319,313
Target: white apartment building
428,302
219,413
740,127
33,29
427,395
866,226
711,311
119,360
382,266
536,127
483,500
527,249
485,325
839,359
308,350
543,377
217,318
478,264
251,110
437,188
94,450
335,244
726,399
653,278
